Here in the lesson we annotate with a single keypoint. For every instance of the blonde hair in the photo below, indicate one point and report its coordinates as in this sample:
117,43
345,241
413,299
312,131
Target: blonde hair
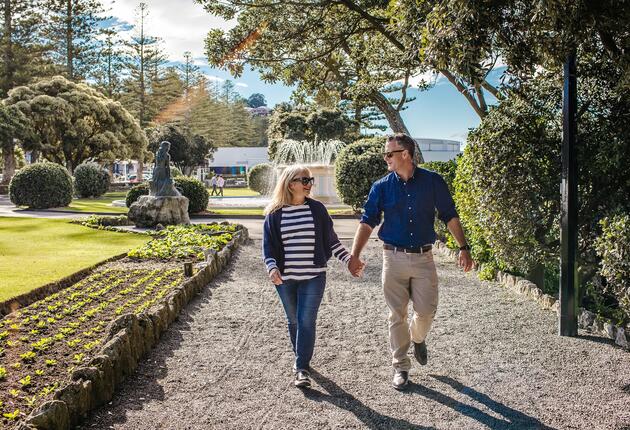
282,194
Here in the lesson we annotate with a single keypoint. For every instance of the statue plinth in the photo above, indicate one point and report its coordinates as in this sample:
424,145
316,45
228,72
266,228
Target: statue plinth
149,211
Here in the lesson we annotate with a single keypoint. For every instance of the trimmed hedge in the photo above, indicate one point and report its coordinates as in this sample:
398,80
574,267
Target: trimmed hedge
136,192
260,178
91,180
357,166
195,191
613,247
446,169
41,186
190,188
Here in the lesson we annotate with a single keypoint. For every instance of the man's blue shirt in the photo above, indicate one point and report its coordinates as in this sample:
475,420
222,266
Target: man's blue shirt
409,208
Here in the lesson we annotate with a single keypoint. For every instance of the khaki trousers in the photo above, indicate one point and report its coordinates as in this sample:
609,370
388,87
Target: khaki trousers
408,277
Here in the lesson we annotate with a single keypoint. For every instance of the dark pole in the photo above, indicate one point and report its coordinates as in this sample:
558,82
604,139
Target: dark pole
568,220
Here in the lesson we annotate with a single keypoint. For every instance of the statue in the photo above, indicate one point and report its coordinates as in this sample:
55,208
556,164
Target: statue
164,204
161,185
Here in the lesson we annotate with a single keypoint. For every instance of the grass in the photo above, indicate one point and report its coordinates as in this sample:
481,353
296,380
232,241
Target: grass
36,251
237,192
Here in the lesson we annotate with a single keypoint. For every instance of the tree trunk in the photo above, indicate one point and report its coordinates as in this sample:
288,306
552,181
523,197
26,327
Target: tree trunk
394,119
69,40
8,157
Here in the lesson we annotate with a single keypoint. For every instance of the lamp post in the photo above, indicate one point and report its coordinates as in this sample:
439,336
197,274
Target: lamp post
568,221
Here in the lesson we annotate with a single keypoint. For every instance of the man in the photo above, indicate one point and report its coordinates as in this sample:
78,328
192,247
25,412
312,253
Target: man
220,184
213,182
408,198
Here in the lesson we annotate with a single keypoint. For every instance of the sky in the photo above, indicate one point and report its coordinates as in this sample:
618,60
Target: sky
440,112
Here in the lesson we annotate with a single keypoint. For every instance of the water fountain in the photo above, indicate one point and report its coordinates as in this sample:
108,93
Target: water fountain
318,156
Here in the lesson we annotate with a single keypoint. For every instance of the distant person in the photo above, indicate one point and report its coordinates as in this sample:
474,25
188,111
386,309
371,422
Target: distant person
213,182
220,184
298,240
408,197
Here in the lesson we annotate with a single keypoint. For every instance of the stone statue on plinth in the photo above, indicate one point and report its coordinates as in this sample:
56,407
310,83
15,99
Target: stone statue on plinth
164,204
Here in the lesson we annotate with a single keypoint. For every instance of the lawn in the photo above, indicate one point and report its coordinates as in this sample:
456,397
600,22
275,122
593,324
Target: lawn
35,251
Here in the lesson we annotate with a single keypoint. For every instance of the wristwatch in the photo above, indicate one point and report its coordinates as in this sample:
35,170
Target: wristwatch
464,248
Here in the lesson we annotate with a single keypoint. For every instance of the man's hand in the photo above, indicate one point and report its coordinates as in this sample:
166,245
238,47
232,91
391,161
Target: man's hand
275,277
465,260
355,266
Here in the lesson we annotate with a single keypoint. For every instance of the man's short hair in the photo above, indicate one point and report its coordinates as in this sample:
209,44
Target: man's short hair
405,141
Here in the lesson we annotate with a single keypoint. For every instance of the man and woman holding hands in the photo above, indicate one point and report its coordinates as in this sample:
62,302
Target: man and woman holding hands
299,239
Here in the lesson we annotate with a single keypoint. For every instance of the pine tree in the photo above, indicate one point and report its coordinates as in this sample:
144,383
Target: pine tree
73,29
189,72
110,63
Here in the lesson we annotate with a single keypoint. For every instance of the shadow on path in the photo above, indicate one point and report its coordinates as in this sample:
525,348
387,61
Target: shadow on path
512,419
343,400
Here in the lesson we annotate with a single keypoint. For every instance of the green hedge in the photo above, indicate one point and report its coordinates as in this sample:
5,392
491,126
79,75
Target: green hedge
357,166
195,191
41,186
136,192
91,180
613,247
260,178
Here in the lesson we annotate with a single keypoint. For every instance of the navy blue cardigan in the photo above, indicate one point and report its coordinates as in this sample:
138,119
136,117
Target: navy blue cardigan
325,235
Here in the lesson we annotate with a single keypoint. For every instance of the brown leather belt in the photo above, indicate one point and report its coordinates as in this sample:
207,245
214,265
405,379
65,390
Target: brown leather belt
425,248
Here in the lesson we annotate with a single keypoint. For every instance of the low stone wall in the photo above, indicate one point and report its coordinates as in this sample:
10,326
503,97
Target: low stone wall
586,320
39,293
129,338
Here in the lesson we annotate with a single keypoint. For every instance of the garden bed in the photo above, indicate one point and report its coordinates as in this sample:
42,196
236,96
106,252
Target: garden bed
47,345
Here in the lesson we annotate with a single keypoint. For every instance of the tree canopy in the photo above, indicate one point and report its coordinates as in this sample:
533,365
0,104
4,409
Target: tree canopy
72,122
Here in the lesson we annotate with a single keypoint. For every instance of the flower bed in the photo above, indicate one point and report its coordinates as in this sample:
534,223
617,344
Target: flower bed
44,344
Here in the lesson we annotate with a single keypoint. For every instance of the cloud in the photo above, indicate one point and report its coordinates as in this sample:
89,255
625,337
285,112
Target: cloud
241,84
182,25
213,78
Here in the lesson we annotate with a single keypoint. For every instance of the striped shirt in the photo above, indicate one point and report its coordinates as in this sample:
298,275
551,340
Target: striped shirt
297,229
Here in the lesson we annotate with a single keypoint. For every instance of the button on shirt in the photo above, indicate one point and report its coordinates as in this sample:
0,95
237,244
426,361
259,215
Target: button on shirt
408,208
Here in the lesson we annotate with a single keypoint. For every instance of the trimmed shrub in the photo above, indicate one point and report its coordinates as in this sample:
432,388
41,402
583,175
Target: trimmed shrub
613,247
136,192
260,178
195,191
90,180
175,172
41,186
357,166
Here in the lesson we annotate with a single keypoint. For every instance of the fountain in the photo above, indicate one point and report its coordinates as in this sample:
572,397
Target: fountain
318,157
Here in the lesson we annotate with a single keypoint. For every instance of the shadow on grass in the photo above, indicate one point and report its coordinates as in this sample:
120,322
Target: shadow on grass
343,400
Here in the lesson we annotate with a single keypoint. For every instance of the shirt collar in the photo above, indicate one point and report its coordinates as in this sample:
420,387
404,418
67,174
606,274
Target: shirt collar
413,175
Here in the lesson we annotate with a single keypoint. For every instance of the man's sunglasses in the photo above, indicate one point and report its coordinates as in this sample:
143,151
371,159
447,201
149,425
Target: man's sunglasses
390,154
304,180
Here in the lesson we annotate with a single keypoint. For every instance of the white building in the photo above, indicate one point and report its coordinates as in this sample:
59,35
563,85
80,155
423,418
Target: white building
438,149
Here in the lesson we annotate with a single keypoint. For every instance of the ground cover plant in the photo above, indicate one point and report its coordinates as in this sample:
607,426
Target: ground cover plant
37,251
41,344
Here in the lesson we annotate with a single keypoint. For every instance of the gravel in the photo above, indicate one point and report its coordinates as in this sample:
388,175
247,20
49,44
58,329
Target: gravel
495,361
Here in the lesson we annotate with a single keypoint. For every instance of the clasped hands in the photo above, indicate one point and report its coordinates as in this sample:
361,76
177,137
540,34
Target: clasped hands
356,266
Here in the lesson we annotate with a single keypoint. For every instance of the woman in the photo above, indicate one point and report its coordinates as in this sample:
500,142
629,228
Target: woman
298,240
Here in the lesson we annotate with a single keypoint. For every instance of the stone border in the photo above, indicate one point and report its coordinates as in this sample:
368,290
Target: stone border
39,293
587,320
129,338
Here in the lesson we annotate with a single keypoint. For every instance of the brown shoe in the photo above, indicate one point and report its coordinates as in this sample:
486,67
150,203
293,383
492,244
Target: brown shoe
401,379
420,352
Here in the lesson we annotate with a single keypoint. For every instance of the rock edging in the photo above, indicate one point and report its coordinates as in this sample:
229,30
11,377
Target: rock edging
129,338
587,320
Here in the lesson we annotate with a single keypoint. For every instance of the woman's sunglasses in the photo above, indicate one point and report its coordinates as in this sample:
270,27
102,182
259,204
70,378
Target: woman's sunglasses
390,154
304,180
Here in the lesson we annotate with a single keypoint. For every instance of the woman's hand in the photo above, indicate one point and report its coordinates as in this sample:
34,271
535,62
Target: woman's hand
275,277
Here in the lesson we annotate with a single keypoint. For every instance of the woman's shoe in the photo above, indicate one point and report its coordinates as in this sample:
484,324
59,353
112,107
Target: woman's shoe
302,379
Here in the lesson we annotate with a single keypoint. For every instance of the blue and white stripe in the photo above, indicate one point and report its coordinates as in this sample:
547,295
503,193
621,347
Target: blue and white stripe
297,230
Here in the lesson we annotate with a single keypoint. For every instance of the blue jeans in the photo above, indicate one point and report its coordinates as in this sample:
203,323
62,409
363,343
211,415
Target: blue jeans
301,301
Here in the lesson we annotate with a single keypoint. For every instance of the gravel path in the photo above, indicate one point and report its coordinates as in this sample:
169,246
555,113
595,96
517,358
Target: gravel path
495,361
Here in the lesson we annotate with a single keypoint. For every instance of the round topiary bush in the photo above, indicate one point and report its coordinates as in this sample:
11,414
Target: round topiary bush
195,191
135,192
357,166
41,186
260,178
90,180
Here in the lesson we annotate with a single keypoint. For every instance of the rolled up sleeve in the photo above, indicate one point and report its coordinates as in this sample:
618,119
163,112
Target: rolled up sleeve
443,200
372,212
